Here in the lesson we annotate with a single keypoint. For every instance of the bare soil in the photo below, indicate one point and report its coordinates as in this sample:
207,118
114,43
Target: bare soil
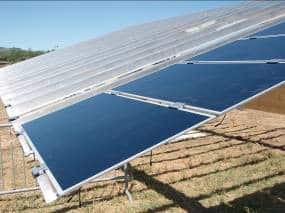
273,101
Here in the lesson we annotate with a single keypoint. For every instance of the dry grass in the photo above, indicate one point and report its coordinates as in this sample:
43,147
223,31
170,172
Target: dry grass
272,101
237,167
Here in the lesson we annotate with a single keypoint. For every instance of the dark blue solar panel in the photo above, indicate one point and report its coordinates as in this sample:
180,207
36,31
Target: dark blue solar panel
257,49
215,87
84,139
277,29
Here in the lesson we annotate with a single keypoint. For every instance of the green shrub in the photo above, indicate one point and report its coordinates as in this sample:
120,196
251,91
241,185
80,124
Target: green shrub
14,55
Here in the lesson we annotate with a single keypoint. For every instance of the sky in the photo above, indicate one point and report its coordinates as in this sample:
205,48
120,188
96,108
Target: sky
47,25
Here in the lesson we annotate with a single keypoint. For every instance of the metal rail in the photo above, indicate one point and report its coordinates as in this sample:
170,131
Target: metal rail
169,104
5,125
270,61
17,191
263,36
1,165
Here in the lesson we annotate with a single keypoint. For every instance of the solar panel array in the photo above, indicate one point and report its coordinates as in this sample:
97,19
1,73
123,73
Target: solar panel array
87,139
87,67
163,86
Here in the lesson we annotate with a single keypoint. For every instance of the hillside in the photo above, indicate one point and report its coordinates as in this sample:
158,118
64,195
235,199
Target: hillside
14,55
3,49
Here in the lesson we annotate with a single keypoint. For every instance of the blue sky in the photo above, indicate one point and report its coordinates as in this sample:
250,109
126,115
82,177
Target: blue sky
45,25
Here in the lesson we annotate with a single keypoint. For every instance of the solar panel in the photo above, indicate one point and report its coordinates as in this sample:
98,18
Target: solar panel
277,29
257,49
215,86
85,139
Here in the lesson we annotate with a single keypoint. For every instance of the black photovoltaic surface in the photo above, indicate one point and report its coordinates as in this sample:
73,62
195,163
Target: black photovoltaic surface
256,49
211,86
89,137
277,29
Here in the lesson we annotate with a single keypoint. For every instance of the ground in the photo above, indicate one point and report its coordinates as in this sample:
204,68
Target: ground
237,166
273,101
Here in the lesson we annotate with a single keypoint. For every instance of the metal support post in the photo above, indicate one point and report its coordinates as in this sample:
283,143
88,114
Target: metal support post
150,158
127,178
79,197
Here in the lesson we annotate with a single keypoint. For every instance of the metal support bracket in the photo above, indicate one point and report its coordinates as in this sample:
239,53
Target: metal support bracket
274,61
38,170
113,92
176,105
45,185
8,105
13,118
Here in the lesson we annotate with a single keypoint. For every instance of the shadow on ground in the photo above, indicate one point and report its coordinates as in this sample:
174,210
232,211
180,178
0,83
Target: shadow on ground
227,149
268,200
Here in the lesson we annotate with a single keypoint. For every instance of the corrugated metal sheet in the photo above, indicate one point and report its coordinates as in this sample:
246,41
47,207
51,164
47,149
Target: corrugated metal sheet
58,76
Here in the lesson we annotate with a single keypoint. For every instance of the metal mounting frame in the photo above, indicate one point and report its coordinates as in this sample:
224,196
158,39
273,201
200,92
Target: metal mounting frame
49,182
127,177
44,171
57,189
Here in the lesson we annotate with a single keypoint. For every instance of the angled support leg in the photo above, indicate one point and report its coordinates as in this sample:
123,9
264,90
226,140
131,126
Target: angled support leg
218,124
79,197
